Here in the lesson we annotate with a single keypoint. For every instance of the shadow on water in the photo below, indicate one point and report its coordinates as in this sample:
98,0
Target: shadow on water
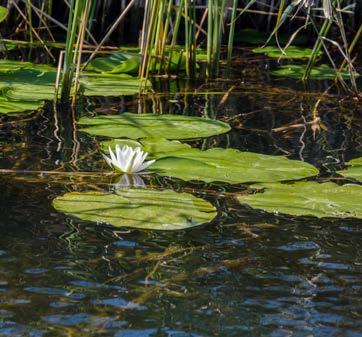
247,274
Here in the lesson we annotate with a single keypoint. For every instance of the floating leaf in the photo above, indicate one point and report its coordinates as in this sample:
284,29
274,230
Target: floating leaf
24,82
354,170
231,166
116,63
292,52
155,147
181,161
137,126
7,46
308,198
3,13
129,63
138,208
317,73
254,37
10,108
110,85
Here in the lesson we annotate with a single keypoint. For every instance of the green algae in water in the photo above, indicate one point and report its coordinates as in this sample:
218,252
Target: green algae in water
232,166
137,126
354,169
326,200
138,208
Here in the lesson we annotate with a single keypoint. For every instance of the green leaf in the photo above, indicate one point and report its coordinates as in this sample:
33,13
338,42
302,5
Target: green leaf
292,52
308,199
138,208
3,13
110,84
232,166
124,62
254,37
11,108
137,126
318,72
354,170
155,147
24,82
116,63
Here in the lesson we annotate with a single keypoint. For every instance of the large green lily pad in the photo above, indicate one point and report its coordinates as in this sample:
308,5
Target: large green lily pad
308,199
138,208
322,72
24,82
232,166
292,52
137,126
354,170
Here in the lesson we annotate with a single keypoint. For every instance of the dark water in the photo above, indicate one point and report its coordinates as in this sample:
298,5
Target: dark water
247,273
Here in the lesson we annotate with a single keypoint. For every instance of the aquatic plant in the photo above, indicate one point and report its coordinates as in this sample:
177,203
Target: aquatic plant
138,208
126,159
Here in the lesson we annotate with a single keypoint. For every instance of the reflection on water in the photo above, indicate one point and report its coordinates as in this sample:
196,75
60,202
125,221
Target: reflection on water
248,274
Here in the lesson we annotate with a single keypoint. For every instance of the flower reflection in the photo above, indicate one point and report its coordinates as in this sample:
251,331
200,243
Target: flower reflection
128,180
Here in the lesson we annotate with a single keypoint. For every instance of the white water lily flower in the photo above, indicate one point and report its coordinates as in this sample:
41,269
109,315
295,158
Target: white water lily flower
127,160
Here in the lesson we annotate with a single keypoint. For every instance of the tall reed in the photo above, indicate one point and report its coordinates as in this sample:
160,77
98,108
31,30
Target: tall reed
77,21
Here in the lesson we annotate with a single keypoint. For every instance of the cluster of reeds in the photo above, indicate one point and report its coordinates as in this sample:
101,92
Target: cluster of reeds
171,31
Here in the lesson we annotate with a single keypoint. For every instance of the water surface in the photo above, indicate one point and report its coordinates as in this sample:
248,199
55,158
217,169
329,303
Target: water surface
248,273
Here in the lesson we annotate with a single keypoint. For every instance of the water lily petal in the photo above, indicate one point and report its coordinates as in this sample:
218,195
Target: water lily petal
113,157
145,165
108,160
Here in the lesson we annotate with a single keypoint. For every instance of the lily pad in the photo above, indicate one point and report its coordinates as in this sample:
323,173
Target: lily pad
138,208
116,63
354,170
110,84
135,126
292,52
308,199
232,166
24,82
155,147
322,72
10,108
